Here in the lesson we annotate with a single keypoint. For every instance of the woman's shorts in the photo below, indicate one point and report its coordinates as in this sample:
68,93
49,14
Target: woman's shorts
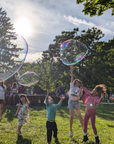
73,104
2,101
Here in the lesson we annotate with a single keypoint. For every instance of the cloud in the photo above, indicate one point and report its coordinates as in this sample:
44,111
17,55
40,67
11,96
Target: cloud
77,21
33,57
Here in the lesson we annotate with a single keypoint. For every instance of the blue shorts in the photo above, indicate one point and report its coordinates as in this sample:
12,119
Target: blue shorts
73,104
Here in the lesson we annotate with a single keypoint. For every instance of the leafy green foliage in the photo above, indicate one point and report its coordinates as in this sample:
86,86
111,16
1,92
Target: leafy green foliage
96,7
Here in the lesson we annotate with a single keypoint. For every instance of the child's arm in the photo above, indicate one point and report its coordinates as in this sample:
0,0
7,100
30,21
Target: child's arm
71,70
30,108
60,102
47,102
98,100
19,106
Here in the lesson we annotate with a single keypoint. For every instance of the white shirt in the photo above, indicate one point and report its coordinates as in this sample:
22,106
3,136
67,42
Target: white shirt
1,93
74,92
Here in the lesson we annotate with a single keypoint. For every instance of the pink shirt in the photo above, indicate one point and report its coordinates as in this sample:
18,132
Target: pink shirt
90,101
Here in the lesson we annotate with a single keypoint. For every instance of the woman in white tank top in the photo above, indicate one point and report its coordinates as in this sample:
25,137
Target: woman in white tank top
2,97
14,92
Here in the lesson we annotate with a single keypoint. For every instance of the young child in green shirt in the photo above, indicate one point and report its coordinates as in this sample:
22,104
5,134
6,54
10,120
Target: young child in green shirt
51,113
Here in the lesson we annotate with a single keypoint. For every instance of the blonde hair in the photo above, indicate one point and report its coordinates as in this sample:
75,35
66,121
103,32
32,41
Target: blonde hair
77,80
101,88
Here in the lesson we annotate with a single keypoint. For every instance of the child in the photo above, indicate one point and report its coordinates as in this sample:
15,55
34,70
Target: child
74,95
51,113
91,99
2,97
22,112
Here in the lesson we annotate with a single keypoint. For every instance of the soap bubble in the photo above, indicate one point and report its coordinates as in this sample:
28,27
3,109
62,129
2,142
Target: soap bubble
72,52
28,79
13,51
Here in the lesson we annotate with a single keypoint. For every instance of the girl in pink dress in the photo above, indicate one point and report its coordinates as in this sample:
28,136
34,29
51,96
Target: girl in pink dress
91,99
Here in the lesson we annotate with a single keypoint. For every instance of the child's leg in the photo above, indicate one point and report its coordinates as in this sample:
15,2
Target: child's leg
93,124
55,130
19,129
86,119
71,118
49,131
1,109
79,116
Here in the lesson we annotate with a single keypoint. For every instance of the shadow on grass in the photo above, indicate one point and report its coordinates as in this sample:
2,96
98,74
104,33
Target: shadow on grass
20,140
73,140
57,141
10,112
112,126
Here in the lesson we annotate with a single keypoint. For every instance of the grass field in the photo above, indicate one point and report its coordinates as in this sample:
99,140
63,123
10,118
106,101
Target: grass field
35,132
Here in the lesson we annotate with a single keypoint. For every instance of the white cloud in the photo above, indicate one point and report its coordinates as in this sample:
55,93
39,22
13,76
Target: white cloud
77,21
32,57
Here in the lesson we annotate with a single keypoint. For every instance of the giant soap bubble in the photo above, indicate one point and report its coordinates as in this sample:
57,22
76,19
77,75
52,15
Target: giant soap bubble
72,52
28,79
13,51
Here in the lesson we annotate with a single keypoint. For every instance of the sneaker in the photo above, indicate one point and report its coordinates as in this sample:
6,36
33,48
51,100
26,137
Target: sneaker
85,138
97,140
71,134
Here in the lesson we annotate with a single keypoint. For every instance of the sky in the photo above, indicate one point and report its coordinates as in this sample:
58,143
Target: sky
39,21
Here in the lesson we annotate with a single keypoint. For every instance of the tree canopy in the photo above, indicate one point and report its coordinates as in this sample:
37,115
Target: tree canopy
96,7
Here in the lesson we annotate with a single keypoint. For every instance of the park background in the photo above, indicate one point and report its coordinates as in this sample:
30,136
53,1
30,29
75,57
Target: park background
96,68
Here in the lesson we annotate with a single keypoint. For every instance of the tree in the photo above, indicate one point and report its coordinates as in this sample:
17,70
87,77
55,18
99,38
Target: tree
9,52
96,7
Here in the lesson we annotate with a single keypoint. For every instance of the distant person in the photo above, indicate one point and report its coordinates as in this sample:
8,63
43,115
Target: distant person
91,99
51,114
2,97
57,91
62,90
22,112
21,89
14,92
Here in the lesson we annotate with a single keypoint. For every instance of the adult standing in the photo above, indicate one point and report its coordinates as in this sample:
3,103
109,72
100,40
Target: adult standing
62,90
2,97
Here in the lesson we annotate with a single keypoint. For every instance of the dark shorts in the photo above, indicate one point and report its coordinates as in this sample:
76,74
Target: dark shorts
73,104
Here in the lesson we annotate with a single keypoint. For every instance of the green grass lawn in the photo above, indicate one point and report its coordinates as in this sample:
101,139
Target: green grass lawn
35,132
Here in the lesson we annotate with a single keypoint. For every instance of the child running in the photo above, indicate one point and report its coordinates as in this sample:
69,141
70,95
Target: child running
51,113
74,96
91,99
22,112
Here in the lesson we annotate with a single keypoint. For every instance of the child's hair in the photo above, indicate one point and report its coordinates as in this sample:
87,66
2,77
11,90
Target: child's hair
101,88
23,95
77,80
45,99
14,85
